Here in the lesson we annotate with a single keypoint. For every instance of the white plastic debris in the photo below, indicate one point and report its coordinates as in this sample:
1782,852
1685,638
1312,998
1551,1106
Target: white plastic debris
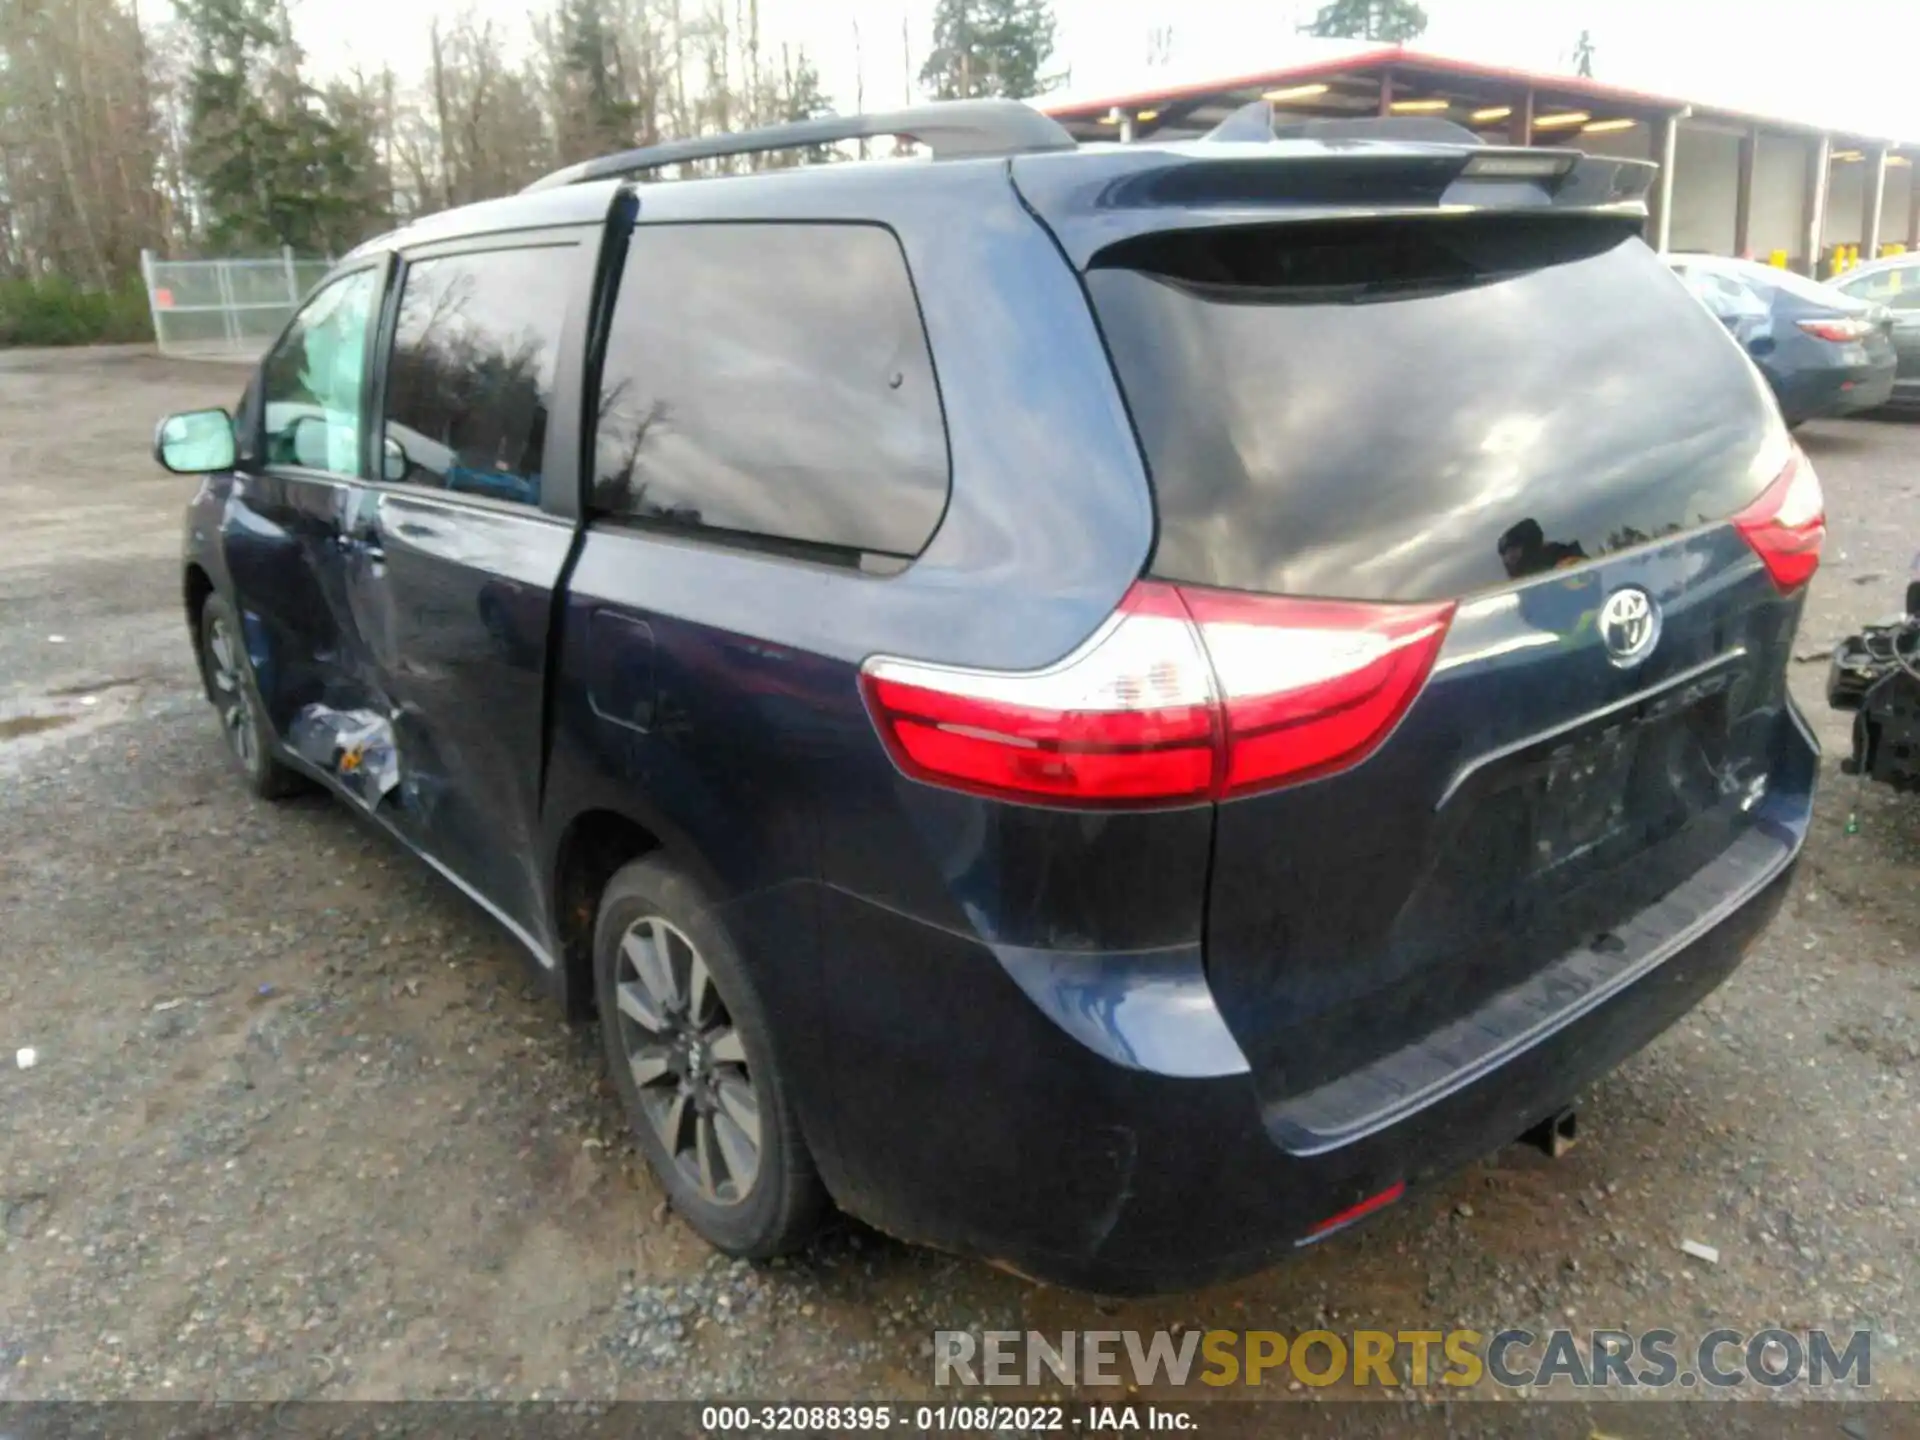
56,639
26,1057
89,699
1700,1252
166,1005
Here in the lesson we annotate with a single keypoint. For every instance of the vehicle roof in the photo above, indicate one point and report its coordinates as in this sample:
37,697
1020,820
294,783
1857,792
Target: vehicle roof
565,205
1100,165
1731,265
1771,277
587,202
1885,262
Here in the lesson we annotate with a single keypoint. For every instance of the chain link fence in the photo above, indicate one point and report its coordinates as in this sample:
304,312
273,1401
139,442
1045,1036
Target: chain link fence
225,309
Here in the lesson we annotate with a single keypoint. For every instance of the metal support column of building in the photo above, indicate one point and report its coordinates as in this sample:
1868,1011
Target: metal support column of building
1913,205
1386,92
1743,194
1666,148
1873,203
1819,162
1520,123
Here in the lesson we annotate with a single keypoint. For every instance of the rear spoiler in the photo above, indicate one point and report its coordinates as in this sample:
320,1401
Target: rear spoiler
1246,172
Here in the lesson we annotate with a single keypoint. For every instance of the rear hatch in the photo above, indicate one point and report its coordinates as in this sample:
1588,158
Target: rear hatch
1507,418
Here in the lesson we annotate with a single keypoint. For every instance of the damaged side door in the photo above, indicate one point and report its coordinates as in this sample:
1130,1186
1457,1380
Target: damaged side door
284,529
461,544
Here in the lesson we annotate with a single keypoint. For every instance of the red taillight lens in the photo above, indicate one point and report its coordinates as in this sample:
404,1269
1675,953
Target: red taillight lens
1788,523
1126,718
1840,332
1311,686
1185,695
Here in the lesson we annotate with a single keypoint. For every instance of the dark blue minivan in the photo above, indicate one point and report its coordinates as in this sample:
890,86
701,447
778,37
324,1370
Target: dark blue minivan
1111,708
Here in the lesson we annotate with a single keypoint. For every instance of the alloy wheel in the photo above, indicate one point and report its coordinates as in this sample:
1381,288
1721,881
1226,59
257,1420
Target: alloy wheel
230,695
688,1062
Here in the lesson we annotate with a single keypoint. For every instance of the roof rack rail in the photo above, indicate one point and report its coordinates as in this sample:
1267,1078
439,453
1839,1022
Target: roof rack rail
1256,122
952,129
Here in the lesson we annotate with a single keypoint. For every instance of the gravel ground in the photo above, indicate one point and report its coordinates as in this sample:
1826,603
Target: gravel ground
299,1125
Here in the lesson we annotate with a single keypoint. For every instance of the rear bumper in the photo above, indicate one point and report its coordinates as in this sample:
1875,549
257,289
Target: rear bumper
970,1119
1826,392
1905,394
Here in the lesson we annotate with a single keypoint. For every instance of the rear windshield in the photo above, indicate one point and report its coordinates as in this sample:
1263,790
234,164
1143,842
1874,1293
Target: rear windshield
1420,409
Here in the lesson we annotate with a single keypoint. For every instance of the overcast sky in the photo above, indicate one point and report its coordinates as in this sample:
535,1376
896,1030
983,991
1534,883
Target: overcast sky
1855,71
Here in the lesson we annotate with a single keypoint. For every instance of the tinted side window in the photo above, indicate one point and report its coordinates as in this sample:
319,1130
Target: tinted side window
1897,286
772,380
311,379
472,371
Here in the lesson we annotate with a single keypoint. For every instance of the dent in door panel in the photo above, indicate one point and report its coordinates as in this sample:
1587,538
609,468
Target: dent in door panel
278,538
456,615
356,747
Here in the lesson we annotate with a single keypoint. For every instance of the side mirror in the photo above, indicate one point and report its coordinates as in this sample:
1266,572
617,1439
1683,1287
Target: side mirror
195,442
394,463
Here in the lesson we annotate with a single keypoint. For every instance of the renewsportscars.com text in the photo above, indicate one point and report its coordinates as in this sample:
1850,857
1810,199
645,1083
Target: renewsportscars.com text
1600,1358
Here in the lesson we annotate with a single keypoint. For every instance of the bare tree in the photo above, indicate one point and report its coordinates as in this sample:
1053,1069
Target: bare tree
185,134
489,134
79,143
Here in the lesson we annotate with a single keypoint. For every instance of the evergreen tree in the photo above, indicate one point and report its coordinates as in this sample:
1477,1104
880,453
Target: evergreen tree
988,47
1392,21
590,60
271,161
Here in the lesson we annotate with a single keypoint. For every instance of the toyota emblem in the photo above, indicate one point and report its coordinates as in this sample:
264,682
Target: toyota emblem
1629,625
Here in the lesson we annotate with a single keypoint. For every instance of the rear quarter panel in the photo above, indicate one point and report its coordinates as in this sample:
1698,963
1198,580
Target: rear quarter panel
749,750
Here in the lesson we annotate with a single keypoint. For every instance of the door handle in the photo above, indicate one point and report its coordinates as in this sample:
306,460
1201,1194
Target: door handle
366,542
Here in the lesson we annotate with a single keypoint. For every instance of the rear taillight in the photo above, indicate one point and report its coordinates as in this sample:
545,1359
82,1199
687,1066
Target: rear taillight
1184,695
1311,686
1788,523
1840,332
1127,717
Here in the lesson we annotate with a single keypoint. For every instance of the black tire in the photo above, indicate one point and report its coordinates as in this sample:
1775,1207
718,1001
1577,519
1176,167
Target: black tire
236,700
647,911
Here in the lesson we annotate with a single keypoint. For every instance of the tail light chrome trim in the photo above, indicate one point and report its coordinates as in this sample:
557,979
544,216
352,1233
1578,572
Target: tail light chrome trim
1185,695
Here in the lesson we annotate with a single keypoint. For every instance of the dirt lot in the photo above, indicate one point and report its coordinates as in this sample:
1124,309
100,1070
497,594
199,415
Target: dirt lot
299,1127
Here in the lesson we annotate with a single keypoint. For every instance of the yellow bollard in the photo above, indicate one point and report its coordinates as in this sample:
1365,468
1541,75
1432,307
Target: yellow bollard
1778,259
